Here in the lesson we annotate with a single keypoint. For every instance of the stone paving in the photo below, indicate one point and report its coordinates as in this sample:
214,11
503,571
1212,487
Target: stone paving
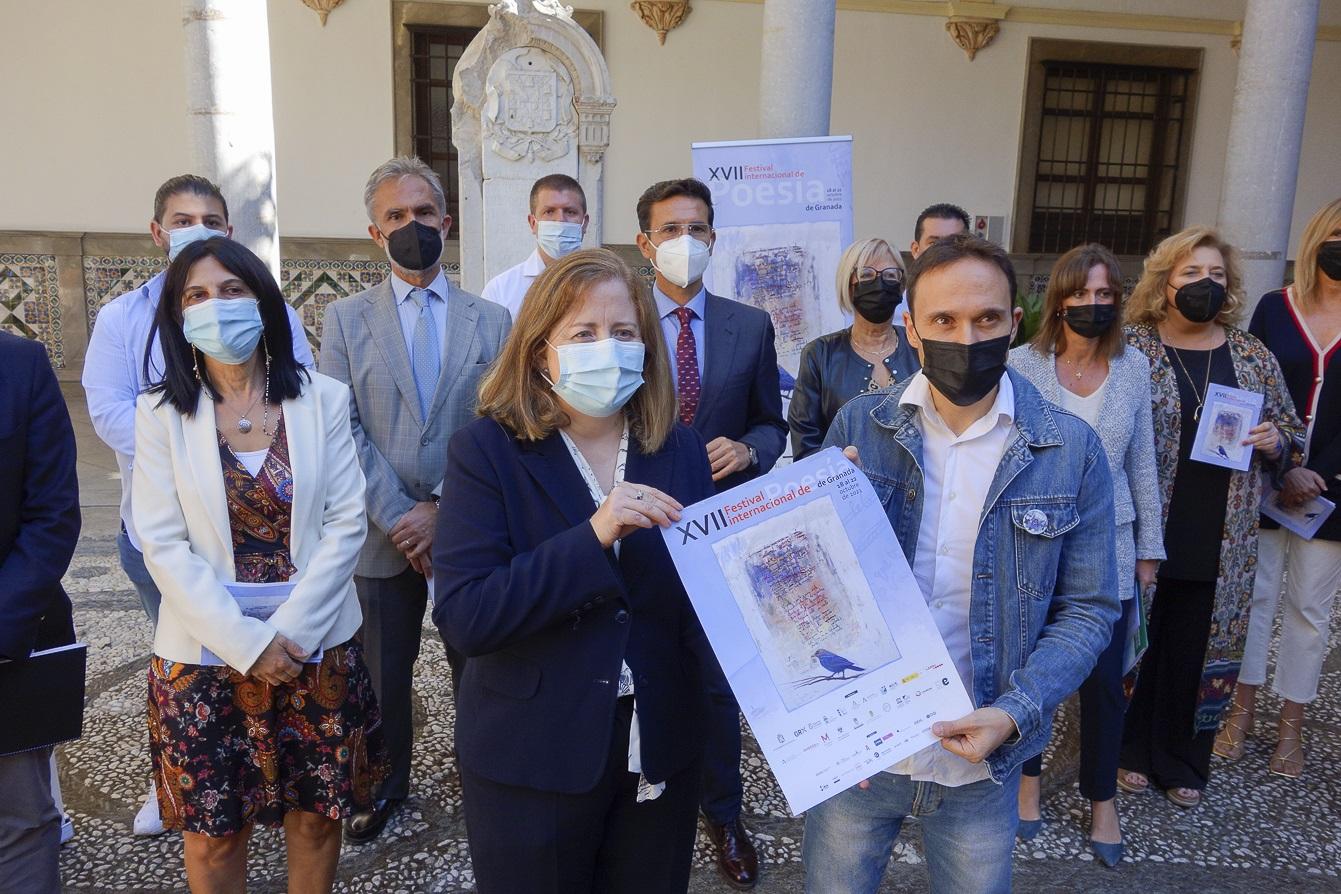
1254,831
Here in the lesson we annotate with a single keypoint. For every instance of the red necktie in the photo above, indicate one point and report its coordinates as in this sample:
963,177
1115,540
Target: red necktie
686,367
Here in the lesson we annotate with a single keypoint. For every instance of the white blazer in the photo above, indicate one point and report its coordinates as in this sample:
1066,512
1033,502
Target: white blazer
181,515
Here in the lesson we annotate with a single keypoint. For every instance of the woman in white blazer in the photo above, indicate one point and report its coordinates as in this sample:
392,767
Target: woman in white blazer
246,473
1080,361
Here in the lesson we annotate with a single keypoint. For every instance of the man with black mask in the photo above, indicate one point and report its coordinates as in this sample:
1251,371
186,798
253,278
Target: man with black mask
1003,506
412,349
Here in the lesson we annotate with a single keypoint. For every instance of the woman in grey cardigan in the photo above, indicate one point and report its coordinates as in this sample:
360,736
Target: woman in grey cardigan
1080,361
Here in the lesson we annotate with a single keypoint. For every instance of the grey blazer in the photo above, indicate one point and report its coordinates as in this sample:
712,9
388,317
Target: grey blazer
404,457
1127,431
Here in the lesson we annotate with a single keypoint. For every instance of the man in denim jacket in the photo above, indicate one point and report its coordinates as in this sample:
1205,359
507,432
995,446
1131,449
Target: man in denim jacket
1003,505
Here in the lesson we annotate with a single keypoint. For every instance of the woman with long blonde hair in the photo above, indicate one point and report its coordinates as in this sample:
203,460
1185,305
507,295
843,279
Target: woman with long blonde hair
1301,324
1183,316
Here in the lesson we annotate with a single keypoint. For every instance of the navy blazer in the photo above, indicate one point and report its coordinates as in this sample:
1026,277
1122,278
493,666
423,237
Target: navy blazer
741,394
39,501
544,614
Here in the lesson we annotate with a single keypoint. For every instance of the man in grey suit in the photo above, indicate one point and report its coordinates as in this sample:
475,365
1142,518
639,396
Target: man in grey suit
725,368
412,350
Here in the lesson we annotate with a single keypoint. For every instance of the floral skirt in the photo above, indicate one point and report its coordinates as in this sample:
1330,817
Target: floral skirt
229,750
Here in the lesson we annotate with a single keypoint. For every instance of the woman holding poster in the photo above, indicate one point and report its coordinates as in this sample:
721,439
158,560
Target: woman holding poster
1182,317
1301,324
871,354
578,715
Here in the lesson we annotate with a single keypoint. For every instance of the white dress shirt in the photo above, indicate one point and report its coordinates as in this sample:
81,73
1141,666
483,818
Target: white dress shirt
670,328
957,474
409,311
114,374
509,287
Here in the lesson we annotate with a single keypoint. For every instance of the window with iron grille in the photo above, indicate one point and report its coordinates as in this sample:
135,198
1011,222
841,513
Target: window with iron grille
434,54
1110,155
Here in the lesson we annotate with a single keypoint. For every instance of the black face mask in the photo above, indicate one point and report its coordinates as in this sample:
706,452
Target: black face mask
965,374
414,246
1090,320
1200,301
1329,259
876,300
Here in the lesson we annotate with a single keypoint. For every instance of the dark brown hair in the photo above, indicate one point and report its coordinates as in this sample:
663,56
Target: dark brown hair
188,183
958,247
669,189
1069,276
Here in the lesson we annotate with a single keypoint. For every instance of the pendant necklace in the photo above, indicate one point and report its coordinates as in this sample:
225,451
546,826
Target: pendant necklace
244,424
1201,398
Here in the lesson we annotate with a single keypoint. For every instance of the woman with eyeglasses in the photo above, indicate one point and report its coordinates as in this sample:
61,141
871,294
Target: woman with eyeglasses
870,355
1080,361
1183,317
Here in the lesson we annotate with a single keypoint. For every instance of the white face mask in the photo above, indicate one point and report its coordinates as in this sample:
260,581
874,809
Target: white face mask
682,260
179,239
598,378
557,238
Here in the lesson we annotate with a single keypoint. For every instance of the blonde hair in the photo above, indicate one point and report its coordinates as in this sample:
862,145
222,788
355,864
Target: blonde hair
515,393
1320,226
858,255
1149,301
1069,275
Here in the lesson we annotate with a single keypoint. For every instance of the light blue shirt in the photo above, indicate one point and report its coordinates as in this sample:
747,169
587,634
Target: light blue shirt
670,327
409,311
114,373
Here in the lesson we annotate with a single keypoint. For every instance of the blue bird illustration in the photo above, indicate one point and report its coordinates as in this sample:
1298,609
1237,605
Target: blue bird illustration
1221,450
836,665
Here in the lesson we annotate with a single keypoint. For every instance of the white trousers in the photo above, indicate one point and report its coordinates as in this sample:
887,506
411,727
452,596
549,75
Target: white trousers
1312,570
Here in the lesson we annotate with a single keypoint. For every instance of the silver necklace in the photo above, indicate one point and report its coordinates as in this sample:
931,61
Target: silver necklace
1201,398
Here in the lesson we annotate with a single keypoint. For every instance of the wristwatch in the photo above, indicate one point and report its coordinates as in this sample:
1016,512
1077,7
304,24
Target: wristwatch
754,455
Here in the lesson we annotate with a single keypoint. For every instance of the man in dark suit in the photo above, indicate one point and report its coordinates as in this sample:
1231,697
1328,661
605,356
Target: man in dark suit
725,368
39,526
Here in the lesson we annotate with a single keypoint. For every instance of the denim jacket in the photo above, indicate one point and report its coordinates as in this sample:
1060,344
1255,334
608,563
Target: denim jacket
1043,599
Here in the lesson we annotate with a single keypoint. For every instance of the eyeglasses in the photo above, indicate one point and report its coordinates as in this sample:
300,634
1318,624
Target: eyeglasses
1107,296
890,276
699,231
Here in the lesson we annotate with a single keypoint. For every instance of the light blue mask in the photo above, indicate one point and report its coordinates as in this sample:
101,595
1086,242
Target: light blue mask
598,378
226,329
179,239
557,238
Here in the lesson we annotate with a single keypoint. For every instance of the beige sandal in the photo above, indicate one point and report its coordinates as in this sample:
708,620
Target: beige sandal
1293,758
1126,780
1186,798
1232,739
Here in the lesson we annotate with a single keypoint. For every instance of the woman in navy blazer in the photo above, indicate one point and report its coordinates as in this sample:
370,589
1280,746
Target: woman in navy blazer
578,712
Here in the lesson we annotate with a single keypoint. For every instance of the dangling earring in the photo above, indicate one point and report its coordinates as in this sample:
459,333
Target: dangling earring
195,364
265,393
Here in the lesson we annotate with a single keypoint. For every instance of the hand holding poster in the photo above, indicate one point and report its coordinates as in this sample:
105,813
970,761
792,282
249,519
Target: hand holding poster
1227,416
1303,519
818,624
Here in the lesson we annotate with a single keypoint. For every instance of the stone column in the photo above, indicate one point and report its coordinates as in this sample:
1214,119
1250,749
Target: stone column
1265,133
796,69
230,116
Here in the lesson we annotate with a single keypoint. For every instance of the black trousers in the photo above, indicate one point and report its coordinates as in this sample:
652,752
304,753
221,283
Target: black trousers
1102,705
1159,739
393,623
526,841
722,787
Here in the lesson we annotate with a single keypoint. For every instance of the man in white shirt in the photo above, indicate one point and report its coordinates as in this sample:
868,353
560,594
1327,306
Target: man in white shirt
121,364
558,221
936,222
1003,505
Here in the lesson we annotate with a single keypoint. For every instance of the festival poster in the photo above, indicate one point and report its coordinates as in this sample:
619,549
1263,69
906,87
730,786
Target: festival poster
818,624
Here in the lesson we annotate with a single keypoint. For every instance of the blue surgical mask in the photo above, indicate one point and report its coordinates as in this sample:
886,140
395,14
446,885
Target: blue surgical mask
179,239
598,378
557,238
226,329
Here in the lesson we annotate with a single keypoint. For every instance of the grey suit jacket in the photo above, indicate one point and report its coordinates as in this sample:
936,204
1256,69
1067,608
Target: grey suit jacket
1126,429
404,457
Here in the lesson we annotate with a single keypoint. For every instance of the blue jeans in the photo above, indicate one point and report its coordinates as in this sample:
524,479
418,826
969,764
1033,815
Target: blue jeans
132,562
968,832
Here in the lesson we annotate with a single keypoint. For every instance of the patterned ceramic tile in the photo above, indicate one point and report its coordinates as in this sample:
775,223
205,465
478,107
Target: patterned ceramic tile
106,277
30,301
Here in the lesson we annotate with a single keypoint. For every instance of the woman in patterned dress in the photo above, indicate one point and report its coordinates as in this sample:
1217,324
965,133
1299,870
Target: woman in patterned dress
246,474
1182,316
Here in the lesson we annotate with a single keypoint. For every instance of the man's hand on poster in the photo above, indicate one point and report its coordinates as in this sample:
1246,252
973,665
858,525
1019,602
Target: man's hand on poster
1301,485
629,507
727,457
976,735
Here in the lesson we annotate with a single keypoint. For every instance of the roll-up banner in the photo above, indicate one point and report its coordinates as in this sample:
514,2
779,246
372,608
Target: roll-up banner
783,215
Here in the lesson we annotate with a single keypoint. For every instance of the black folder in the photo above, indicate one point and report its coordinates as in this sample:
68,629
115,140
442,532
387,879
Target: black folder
42,699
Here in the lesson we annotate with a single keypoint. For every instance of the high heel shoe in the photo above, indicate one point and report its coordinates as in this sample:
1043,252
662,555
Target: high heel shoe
1232,739
1109,854
1028,830
1282,763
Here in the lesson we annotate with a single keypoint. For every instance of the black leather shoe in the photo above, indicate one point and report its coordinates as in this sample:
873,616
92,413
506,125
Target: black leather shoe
366,825
737,860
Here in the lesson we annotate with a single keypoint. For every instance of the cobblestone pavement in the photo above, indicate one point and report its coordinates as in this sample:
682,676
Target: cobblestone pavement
1254,831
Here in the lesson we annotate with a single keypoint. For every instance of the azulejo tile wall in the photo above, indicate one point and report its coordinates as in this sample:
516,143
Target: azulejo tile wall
107,277
30,301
